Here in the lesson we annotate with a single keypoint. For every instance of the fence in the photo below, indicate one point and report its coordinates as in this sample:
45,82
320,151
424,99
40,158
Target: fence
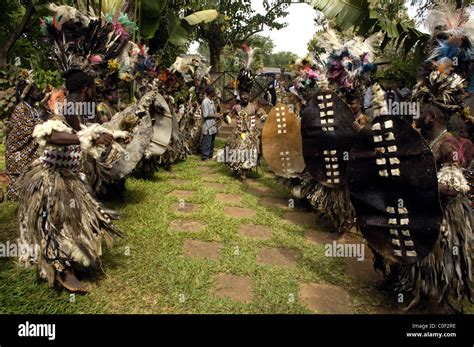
224,83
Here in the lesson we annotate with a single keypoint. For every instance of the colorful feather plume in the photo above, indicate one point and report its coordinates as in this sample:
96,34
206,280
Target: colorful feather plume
346,63
87,43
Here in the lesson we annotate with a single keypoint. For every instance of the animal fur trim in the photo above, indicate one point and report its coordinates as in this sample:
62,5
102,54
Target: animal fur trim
89,134
44,130
453,177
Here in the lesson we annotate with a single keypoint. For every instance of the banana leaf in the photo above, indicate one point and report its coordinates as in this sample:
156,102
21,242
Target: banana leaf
205,16
150,16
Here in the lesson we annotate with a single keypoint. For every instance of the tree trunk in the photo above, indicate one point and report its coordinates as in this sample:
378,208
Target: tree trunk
215,50
15,35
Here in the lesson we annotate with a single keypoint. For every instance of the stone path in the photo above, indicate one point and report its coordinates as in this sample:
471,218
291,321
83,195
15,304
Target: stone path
277,257
238,288
187,225
202,250
239,212
269,254
185,207
229,198
322,298
255,231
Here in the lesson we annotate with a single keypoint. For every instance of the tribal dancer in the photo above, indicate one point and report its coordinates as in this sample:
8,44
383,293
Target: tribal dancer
243,146
57,211
21,147
445,274
348,82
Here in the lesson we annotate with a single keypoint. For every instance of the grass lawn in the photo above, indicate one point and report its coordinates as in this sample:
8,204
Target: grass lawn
147,272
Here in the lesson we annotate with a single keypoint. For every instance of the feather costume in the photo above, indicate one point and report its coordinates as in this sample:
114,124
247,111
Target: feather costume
243,145
345,67
57,211
446,274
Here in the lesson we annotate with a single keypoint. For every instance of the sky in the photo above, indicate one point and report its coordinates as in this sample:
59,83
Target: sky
301,28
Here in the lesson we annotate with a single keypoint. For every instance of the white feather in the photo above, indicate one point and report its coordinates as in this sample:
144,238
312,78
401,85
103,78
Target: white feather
44,130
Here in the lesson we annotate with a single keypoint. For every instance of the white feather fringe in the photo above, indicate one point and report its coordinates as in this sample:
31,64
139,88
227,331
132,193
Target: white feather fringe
89,134
44,130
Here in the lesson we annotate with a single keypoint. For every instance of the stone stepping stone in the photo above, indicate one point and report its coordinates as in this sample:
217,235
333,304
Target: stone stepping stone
178,182
239,212
278,256
204,169
181,193
216,186
238,288
300,218
276,202
211,178
256,231
260,190
185,207
229,198
253,182
188,225
322,298
318,237
202,250
364,269
4,178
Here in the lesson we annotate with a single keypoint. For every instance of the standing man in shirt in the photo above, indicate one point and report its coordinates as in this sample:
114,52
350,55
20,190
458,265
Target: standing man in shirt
209,125
272,89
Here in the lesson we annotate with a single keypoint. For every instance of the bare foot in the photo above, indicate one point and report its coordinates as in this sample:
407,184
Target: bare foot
69,281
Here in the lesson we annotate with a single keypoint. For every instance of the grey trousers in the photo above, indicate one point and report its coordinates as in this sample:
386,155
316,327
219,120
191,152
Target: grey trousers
207,146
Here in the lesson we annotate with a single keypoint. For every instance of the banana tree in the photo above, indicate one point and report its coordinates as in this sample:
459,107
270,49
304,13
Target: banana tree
179,29
371,16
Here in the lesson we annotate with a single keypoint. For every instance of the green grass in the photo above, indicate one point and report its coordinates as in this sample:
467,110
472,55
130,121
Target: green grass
156,275
2,156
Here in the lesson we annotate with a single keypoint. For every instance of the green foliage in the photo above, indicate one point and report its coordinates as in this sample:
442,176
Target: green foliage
401,70
44,78
151,15
237,24
8,81
265,56
368,17
177,33
282,60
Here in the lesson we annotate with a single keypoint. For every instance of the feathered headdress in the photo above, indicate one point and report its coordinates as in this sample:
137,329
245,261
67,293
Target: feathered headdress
442,80
246,78
308,77
446,18
91,44
450,48
349,63
442,90
192,68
